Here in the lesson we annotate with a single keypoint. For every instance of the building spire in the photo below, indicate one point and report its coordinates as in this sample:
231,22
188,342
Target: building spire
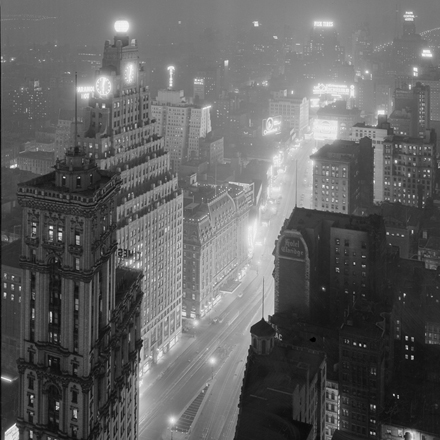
76,110
262,305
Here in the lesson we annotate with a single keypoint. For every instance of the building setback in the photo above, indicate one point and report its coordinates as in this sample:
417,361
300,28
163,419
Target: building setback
215,243
343,177
120,135
80,327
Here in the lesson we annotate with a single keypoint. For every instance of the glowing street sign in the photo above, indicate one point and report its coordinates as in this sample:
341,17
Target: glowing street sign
171,69
334,89
272,125
328,24
426,53
324,129
408,16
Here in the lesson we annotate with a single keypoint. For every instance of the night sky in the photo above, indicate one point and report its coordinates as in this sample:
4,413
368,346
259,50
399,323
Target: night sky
84,21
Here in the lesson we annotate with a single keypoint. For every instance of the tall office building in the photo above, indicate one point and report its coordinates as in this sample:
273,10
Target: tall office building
323,50
80,329
325,262
410,166
361,50
412,114
343,177
181,124
407,50
207,84
120,135
377,135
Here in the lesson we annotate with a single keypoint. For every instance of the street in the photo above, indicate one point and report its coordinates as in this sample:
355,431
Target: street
184,372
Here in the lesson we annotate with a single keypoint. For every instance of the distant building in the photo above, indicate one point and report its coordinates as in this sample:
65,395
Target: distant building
325,261
182,125
294,113
212,149
332,408
215,244
343,177
377,135
344,117
410,168
37,162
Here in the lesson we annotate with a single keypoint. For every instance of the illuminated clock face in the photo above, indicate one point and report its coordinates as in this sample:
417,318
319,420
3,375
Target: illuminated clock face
103,86
129,73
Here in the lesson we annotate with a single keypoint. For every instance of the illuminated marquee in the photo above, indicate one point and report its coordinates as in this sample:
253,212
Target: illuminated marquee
324,129
334,89
85,91
408,16
272,125
322,24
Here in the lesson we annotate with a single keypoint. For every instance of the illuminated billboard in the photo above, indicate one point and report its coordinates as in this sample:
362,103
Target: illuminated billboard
426,53
272,125
334,89
324,129
408,16
327,24
85,91
199,81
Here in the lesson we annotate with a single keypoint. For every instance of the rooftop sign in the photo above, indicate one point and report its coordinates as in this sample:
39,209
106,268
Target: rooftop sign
327,24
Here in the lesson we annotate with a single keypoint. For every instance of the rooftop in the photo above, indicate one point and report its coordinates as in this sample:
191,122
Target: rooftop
310,218
11,253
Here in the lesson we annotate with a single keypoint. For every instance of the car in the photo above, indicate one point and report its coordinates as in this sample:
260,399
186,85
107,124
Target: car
240,294
215,320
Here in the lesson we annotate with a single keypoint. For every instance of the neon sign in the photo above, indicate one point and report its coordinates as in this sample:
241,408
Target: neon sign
171,69
333,89
199,81
328,24
272,125
426,53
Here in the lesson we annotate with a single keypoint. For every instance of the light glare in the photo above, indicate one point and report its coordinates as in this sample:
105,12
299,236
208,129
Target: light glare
121,26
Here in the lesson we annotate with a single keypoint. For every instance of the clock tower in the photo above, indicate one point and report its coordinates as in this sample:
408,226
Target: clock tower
121,136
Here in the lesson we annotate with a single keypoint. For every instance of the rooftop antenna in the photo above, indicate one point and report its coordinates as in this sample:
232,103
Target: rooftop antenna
262,308
296,182
76,110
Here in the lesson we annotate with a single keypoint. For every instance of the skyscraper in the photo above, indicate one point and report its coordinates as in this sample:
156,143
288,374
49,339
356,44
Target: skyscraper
80,328
120,134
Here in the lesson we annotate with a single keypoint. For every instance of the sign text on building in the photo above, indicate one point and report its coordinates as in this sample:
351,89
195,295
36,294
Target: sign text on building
272,125
323,24
292,247
333,89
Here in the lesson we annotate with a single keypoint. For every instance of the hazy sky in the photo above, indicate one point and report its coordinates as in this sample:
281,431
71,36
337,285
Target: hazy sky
92,20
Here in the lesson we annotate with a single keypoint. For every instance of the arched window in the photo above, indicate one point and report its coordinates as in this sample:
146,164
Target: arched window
53,408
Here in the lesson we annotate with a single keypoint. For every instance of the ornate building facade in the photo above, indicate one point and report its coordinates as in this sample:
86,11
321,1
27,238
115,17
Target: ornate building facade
80,326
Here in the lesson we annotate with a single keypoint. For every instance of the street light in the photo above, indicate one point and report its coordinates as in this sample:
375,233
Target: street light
212,362
172,421
196,323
